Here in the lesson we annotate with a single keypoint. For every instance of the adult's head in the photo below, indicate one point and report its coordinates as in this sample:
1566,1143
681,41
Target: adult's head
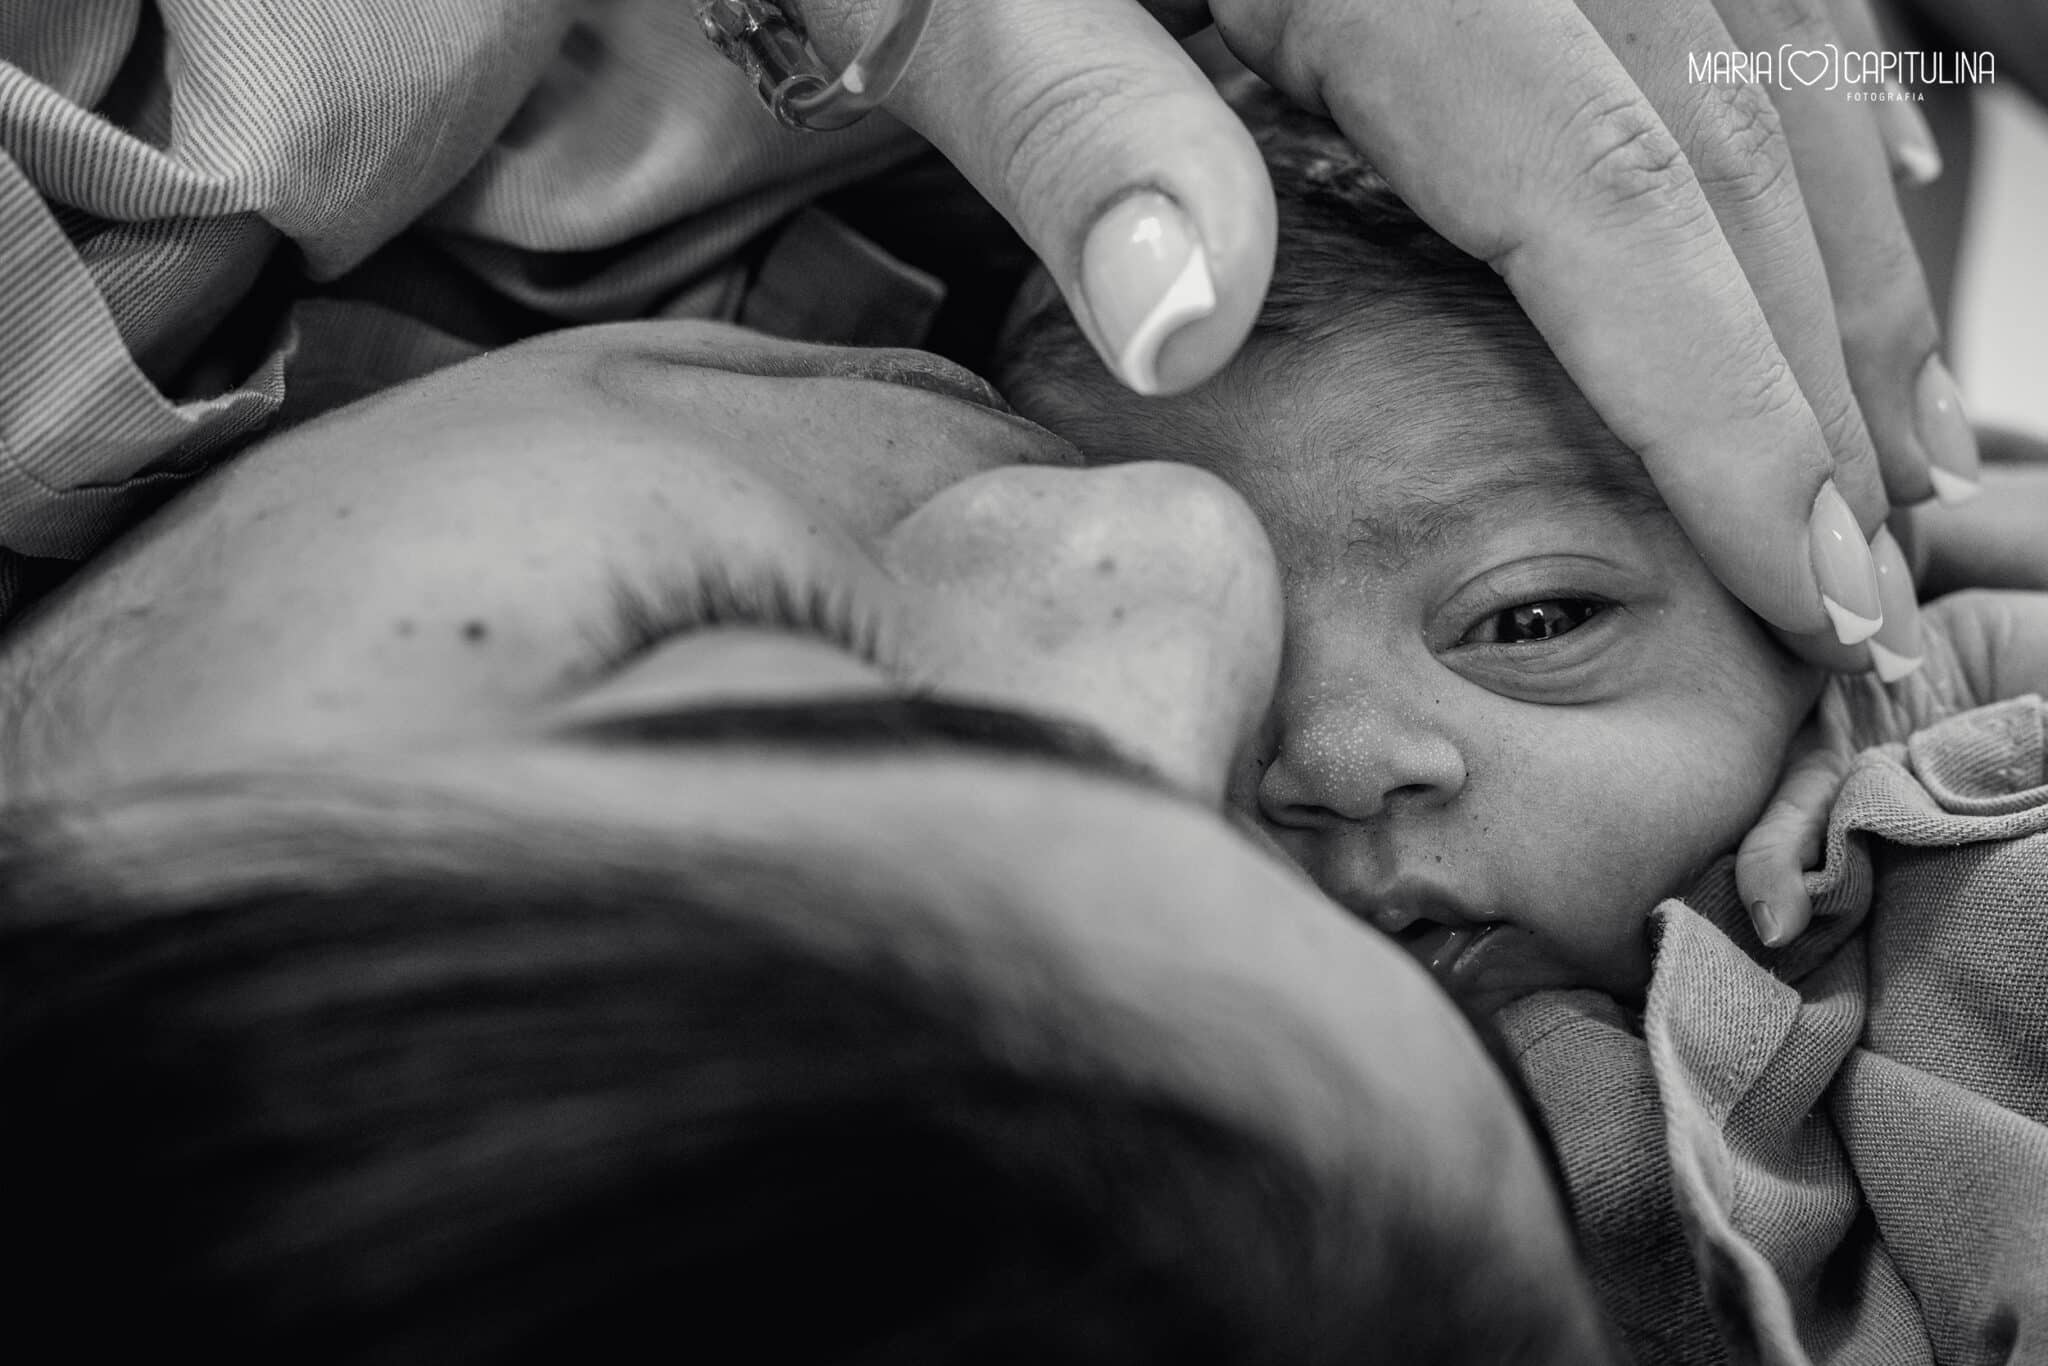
402,1063
372,732
636,517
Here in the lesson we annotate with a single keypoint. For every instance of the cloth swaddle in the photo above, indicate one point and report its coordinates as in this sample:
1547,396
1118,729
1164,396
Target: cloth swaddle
1837,1152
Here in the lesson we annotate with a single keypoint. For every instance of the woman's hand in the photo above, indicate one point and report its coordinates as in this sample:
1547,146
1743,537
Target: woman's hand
1650,224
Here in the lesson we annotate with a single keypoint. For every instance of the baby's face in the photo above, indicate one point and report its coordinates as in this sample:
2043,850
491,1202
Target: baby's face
1516,710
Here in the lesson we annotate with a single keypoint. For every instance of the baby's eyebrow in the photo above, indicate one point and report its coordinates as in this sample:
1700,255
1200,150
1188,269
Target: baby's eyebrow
1432,508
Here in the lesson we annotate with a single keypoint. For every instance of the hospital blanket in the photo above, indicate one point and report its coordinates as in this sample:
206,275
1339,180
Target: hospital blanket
1837,1153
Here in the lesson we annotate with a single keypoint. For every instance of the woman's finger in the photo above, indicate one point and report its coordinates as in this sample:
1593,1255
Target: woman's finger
1734,140
1914,155
1107,149
1771,864
1516,132
1889,334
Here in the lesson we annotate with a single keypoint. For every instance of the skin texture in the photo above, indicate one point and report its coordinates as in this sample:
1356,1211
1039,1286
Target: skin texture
1551,140
535,527
1434,771
427,587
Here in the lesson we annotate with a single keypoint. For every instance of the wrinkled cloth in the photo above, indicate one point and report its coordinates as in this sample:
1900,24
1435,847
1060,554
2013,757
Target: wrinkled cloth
1837,1152
177,177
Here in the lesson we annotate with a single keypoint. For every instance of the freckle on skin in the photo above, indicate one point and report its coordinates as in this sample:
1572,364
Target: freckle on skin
1106,565
406,627
475,632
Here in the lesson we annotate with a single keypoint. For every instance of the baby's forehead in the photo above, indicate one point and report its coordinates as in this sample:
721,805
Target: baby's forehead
1406,430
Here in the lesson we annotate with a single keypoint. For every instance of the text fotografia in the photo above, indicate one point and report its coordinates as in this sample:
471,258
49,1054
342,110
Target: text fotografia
1865,75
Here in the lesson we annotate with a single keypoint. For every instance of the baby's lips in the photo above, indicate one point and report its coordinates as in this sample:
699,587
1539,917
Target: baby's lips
1438,947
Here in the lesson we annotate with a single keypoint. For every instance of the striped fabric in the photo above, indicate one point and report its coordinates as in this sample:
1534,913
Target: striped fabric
177,177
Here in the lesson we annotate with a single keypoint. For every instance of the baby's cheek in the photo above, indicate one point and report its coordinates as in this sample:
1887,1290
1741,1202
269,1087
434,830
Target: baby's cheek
1629,827
1633,854
1690,801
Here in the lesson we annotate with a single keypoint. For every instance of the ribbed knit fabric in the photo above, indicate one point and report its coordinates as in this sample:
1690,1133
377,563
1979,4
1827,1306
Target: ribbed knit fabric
1837,1152
589,159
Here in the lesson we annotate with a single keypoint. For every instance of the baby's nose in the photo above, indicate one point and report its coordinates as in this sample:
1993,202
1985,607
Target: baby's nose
1352,755
1141,599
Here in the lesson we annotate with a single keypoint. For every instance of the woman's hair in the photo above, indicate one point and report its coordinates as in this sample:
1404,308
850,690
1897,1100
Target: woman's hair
322,1069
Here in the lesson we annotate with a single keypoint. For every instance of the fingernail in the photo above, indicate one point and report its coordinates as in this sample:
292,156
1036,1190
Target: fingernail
1841,561
1768,927
1945,433
1896,649
1916,157
1144,276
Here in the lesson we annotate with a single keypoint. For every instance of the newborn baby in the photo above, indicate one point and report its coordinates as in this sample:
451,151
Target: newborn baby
1517,713
1516,710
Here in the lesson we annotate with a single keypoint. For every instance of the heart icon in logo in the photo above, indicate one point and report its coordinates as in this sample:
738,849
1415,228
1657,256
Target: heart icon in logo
1797,64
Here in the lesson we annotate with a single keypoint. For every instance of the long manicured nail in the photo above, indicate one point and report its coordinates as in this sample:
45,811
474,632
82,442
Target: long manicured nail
1915,156
1946,434
1842,563
1896,649
1145,276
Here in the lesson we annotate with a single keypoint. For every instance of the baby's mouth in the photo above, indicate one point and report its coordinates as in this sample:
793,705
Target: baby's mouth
1437,929
1439,947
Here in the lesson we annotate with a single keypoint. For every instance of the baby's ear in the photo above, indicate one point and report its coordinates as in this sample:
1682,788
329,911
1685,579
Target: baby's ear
1037,294
1040,343
1046,368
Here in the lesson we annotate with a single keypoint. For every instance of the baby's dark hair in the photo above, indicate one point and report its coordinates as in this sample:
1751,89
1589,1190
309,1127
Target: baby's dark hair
1349,245
1353,259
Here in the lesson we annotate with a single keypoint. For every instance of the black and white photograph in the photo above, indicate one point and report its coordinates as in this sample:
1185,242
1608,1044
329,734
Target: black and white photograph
1024,682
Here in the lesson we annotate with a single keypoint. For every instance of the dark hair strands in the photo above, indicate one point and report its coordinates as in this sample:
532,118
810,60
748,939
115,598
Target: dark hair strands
433,1109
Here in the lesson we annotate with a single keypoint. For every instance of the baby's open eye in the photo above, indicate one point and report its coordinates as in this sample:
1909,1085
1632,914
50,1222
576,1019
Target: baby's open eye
1533,621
